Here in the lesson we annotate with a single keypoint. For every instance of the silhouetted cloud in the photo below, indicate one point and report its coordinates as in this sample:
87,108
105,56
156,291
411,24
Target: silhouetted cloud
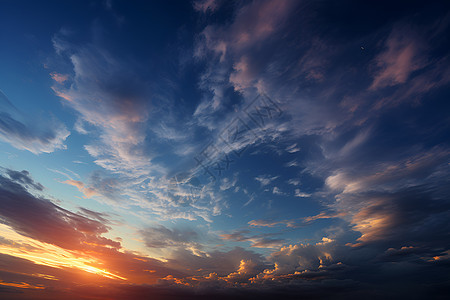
40,219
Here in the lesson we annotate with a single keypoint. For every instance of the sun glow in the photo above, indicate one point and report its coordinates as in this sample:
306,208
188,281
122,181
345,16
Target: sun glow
47,254
22,285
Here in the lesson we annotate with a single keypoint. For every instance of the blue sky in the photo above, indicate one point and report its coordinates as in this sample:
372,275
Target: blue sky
254,147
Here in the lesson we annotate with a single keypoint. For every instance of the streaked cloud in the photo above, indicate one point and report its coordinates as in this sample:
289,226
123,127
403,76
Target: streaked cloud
206,5
266,179
36,137
402,56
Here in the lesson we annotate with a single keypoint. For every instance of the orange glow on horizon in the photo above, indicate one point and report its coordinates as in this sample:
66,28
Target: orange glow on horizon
49,255
22,285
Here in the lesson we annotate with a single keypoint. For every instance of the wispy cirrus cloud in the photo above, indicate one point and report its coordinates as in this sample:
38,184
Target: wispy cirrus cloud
37,136
269,223
122,97
402,56
116,109
266,179
257,241
253,24
295,223
161,237
206,5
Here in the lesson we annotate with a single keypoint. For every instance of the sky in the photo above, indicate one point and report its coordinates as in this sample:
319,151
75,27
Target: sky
216,149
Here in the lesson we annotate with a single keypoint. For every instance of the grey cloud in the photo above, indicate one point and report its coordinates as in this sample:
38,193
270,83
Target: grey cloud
160,237
23,177
258,241
220,262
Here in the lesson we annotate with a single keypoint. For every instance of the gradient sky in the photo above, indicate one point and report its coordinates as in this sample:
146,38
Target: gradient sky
220,149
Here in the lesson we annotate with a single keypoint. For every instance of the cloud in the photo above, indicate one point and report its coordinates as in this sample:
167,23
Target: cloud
323,215
161,237
105,188
300,194
312,103
391,175
116,104
102,217
402,56
40,219
379,171
267,243
321,265
225,47
293,148
59,78
256,22
219,262
227,184
408,58
236,236
294,181
266,179
391,200
290,270
56,237
277,191
257,241
303,257
268,223
39,137
394,217
296,223
135,139
206,5
87,191
23,177
292,163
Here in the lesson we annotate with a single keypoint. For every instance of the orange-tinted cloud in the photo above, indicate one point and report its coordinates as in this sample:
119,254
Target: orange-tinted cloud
401,57
60,78
87,191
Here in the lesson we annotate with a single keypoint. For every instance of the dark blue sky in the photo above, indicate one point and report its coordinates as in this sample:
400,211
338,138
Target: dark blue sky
225,149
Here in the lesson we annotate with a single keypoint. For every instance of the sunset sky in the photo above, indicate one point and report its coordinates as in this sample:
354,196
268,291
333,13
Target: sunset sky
213,149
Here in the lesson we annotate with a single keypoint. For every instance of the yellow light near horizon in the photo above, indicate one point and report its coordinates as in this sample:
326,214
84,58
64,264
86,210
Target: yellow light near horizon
47,254
22,285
